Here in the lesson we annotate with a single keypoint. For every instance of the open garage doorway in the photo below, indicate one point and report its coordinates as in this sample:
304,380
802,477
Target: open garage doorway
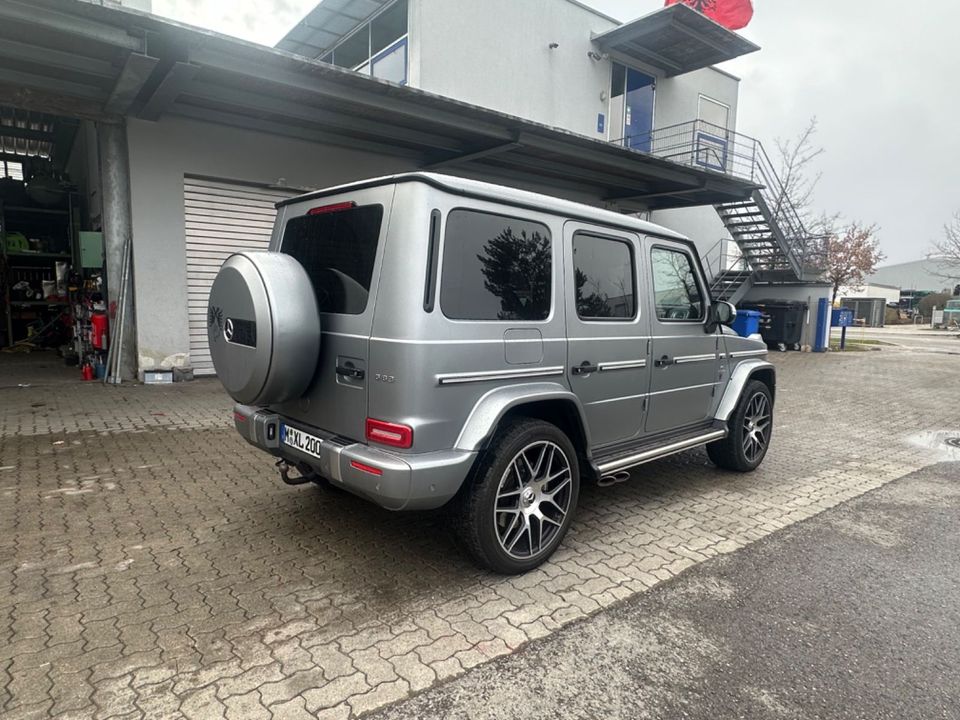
53,300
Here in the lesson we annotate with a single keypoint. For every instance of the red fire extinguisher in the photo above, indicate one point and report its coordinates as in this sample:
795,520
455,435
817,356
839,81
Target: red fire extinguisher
98,330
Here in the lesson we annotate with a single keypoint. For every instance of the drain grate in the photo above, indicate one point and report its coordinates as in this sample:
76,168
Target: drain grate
953,442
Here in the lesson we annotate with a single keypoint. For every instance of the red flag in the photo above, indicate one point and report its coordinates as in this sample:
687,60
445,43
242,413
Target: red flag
732,14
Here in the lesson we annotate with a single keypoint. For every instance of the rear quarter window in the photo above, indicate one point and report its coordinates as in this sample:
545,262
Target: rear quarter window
495,268
338,251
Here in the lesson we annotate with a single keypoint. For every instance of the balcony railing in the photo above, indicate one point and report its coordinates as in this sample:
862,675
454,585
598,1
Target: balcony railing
714,148
702,145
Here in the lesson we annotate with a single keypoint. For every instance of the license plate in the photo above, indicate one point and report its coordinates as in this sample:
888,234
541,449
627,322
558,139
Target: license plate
299,440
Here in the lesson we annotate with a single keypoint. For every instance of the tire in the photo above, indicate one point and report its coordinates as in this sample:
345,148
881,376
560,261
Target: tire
750,430
518,504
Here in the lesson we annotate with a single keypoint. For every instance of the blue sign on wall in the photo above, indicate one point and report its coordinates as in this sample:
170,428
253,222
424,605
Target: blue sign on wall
601,123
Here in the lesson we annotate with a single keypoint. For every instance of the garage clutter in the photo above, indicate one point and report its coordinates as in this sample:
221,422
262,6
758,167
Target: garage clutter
52,281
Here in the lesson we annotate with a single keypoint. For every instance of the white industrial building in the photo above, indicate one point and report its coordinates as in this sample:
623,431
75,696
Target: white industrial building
182,140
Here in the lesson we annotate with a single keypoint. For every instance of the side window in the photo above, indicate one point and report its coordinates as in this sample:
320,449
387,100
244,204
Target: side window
677,294
495,268
604,275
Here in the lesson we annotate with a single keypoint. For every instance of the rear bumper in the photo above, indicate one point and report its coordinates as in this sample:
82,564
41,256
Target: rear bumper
420,481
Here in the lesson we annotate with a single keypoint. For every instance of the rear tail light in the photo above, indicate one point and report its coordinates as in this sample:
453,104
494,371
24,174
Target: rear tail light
387,433
336,207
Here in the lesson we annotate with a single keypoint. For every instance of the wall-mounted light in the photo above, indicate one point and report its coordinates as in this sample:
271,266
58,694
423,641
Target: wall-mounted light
597,57
554,46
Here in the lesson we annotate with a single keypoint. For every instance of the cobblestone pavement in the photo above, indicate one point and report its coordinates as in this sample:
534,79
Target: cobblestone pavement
152,565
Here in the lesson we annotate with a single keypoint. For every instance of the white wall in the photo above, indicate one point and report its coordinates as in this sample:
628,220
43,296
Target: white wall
868,290
496,54
678,98
161,154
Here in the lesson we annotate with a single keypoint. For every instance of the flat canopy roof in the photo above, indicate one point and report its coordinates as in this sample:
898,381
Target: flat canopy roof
83,60
676,40
325,25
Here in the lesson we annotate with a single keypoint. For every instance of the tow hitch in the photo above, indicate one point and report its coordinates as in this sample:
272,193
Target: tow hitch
301,479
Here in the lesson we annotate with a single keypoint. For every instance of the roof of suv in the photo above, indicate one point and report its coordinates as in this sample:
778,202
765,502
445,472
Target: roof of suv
500,194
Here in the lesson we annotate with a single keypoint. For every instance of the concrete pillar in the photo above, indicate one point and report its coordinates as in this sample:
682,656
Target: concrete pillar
117,227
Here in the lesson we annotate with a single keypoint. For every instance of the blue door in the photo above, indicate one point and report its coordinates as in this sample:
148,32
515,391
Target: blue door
632,95
638,111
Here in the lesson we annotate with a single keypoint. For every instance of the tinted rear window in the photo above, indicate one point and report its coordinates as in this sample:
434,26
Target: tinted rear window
603,269
495,268
338,250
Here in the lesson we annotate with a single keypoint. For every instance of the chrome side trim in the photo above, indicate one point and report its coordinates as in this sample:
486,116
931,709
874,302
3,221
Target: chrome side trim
619,399
612,337
622,365
660,452
748,353
472,341
685,359
473,377
681,389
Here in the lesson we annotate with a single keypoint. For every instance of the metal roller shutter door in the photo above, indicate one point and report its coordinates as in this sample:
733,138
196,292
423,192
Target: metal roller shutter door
221,218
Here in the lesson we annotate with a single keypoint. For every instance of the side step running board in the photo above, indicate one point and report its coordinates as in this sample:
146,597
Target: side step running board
614,466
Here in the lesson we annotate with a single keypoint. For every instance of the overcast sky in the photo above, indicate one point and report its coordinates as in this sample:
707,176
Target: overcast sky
880,76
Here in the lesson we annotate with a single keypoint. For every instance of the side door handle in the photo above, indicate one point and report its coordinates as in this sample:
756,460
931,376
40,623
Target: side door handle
665,361
351,372
585,368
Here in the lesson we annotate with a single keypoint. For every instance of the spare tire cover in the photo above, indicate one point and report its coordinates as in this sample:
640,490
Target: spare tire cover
263,327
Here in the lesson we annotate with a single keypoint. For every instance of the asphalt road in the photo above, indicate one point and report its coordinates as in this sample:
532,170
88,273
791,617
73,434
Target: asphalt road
854,613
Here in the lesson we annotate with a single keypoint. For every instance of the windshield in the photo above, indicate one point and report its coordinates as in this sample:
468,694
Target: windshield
338,250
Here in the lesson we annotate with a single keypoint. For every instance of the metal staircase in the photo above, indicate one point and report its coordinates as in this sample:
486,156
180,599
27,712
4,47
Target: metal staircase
774,245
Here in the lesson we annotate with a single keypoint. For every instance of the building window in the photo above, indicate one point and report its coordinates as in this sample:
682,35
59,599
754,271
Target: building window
495,268
378,47
603,272
676,292
11,169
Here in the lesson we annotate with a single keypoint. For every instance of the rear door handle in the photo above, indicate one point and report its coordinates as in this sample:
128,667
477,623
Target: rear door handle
352,372
585,368
665,361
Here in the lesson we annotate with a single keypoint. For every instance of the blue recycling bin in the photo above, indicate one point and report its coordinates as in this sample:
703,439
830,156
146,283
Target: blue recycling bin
747,323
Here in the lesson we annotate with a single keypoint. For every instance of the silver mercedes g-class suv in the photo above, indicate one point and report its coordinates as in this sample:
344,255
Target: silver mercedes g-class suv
423,340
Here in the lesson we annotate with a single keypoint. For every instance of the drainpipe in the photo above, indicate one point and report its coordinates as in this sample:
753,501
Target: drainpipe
117,228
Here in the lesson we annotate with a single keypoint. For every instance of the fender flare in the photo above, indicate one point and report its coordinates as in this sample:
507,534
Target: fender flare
492,406
738,380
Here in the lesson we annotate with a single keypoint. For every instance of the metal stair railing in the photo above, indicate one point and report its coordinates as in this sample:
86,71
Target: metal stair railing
728,272
804,250
703,145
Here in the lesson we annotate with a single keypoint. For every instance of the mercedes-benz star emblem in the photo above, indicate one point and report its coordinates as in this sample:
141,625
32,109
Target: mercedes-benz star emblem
228,330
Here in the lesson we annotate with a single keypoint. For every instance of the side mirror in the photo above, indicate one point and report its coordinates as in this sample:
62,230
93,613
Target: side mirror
721,313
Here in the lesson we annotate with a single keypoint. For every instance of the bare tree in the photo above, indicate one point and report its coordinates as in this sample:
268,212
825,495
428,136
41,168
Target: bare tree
796,166
949,249
795,161
851,255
